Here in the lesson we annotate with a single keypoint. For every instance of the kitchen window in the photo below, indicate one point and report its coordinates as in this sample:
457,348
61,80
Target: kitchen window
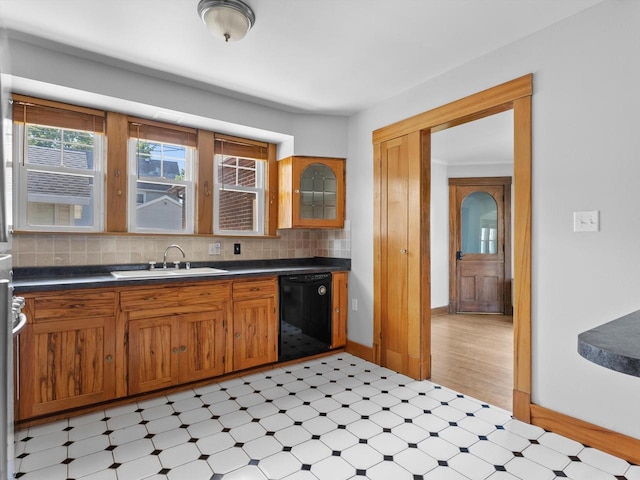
59,176
239,187
161,186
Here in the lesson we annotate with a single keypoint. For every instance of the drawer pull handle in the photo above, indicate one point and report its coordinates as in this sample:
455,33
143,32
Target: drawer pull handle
183,348
254,289
109,358
175,350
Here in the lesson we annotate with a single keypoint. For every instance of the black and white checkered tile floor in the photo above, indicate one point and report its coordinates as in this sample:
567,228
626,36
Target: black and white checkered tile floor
333,418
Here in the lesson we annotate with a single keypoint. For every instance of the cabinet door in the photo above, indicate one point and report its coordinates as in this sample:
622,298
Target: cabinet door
311,192
153,353
66,364
255,332
339,315
202,344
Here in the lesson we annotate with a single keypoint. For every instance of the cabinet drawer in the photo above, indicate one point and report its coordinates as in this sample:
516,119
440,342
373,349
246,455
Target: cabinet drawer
175,297
255,288
148,299
208,295
74,305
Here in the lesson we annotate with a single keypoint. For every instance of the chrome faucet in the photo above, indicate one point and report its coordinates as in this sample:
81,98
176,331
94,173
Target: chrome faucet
164,263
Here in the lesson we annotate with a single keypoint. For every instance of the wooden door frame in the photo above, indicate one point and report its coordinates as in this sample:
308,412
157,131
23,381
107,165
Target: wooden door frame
505,182
513,95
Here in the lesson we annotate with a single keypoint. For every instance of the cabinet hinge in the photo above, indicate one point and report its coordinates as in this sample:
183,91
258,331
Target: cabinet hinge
126,338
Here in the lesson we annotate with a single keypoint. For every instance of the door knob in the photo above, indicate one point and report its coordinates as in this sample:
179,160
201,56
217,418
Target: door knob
403,251
459,255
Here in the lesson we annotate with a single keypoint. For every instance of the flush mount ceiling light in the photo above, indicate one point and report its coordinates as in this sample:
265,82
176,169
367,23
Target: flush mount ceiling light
229,20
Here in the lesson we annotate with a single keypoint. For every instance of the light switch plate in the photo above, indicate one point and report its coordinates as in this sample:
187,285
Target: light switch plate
586,221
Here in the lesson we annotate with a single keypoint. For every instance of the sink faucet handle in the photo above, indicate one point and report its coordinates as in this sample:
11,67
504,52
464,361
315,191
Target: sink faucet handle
176,264
152,265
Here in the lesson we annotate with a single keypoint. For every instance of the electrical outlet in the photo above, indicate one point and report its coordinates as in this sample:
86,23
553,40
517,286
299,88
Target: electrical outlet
236,249
214,248
354,304
586,221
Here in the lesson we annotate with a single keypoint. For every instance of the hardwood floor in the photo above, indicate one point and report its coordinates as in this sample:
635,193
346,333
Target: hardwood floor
473,354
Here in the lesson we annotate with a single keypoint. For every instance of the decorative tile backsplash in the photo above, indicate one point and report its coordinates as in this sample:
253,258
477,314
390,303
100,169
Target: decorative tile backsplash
40,250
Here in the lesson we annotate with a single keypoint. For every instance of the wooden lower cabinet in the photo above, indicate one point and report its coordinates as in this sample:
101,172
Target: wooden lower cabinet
88,346
66,354
174,349
255,323
176,334
339,300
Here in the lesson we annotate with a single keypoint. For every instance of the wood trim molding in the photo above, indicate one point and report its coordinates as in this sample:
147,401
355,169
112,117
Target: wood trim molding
586,433
272,191
359,350
522,245
204,183
472,107
516,95
521,407
480,181
439,311
116,184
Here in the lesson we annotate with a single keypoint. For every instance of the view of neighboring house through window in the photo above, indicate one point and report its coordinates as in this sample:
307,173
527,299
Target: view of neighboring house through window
239,190
161,182
59,175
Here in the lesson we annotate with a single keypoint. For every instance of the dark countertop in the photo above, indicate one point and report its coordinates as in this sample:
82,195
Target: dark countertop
614,345
39,279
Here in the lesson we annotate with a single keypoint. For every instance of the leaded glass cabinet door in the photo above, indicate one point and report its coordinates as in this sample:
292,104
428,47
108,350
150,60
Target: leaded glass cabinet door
311,192
318,193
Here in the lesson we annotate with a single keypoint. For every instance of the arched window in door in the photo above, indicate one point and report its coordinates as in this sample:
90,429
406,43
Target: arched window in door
479,224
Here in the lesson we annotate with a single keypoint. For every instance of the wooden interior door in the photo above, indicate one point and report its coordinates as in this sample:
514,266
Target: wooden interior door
402,306
394,254
480,247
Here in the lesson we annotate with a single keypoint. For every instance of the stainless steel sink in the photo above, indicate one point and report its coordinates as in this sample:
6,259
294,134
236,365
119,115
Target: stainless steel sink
167,273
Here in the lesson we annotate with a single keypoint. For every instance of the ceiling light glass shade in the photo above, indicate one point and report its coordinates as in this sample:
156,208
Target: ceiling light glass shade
229,20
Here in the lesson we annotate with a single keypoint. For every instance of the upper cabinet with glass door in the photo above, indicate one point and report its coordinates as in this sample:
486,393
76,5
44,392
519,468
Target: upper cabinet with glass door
311,192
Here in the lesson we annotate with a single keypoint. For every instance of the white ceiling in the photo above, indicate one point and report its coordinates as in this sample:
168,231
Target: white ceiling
314,56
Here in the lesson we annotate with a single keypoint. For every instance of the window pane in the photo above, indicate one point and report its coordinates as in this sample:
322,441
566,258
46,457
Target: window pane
55,147
237,210
160,206
59,199
238,172
161,160
479,219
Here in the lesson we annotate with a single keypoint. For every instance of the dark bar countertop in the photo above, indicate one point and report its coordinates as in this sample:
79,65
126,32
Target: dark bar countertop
614,345
39,279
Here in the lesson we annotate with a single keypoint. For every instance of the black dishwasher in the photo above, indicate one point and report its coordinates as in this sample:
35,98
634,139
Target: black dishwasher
305,315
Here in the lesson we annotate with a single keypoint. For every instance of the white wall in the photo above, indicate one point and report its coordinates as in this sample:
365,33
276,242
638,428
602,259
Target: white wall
64,77
585,157
439,241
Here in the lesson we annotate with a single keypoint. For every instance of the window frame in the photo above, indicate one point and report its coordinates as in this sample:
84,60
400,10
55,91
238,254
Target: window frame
189,184
111,185
28,112
261,192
